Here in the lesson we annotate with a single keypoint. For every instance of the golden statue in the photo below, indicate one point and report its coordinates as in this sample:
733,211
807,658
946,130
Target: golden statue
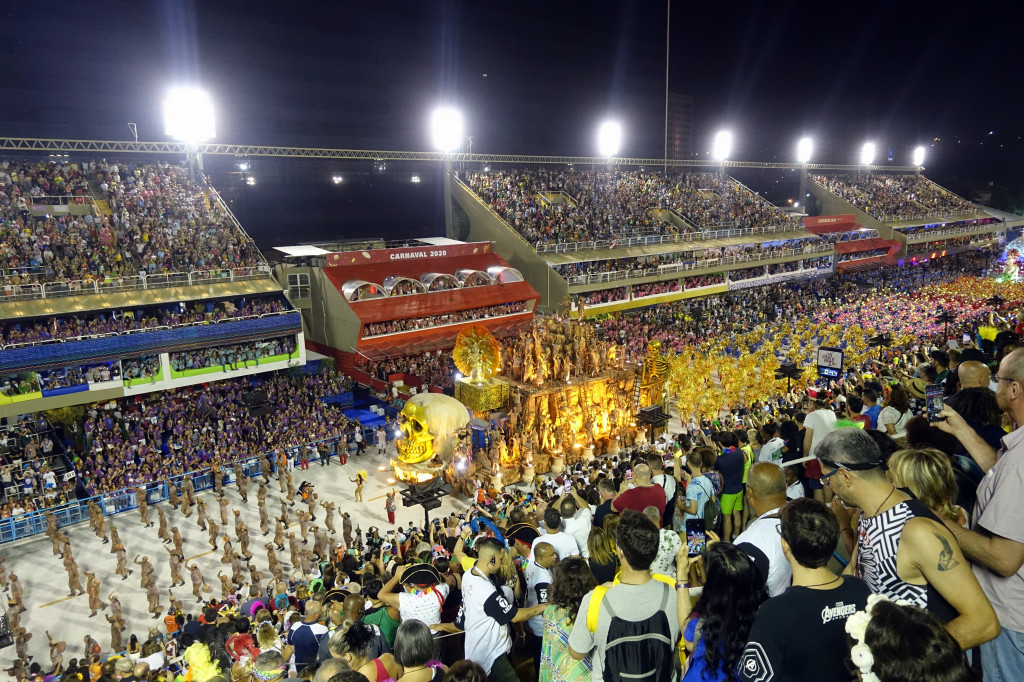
654,375
477,354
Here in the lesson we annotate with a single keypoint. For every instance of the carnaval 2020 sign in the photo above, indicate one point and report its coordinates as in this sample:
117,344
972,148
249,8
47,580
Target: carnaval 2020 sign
410,253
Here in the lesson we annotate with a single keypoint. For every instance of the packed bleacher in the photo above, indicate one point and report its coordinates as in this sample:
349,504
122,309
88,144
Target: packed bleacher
895,198
159,222
408,324
858,255
915,230
555,206
110,321
646,264
234,356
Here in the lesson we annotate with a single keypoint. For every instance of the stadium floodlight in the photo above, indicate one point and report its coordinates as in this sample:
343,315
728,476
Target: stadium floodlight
188,115
243,166
722,145
446,129
250,180
609,138
337,179
919,156
867,153
804,148
415,179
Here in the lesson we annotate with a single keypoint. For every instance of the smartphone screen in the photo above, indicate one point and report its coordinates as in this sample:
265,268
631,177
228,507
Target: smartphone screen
568,486
696,539
629,473
933,397
967,338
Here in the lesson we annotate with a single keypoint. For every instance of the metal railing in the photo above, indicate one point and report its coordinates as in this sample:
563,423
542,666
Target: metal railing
138,330
930,235
34,522
618,275
81,287
655,240
61,200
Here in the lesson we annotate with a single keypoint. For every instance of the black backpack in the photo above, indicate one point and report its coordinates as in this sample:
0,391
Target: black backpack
640,650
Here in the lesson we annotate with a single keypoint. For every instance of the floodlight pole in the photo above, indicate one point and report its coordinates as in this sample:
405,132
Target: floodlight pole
449,230
803,184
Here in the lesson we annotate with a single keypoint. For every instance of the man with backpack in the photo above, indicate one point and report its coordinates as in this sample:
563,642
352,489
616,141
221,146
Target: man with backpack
630,629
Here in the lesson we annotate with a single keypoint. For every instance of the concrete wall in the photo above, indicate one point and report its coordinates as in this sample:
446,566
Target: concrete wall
485,225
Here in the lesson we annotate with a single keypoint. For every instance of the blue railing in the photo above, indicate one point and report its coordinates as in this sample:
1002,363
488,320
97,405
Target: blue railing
146,342
34,523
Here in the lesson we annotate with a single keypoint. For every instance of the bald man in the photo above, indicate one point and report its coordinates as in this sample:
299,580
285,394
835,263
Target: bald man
645,493
538,580
766,493
973,374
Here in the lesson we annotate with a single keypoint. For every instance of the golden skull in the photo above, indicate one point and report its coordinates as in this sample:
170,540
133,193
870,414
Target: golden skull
417,445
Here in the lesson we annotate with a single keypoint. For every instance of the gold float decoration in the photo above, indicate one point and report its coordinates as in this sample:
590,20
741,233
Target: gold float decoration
477,354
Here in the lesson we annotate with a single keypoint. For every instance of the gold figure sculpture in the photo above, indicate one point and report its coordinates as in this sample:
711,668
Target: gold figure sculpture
477,354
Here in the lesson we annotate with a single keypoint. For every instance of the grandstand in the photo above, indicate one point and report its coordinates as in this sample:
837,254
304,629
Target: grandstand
107,270
614,240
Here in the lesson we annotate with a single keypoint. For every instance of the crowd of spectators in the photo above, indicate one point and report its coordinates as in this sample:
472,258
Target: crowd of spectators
849,236
895,198
232,357
107,322
860,255
426,322
169,222
638,266
146,367
589,205
935,227
128,443
31,467
711,200
54,247
435,369
655,288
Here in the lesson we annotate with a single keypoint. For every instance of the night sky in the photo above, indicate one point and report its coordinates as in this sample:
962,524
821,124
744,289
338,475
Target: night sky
534,77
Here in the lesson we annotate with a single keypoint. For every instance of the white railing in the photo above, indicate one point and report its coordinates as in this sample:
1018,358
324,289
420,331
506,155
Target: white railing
138,330
80,287
617,275
931,235
654,240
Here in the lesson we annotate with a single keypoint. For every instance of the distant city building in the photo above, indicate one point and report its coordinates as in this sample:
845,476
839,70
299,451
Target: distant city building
680,126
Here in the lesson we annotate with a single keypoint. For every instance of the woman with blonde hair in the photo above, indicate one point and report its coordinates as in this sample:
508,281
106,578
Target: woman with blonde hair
602,560
267,639
928,474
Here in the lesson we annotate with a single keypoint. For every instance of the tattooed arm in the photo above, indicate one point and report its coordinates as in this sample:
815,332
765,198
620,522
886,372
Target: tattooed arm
929,553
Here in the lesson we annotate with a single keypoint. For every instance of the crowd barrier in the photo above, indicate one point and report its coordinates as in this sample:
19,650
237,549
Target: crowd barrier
166,280
34,522
653,240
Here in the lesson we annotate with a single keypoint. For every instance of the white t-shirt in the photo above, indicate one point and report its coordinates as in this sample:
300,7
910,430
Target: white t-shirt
822,422
762,534
890,415
795,491
666,482
538,580
579,528
564,544
772,451
425,606
484,616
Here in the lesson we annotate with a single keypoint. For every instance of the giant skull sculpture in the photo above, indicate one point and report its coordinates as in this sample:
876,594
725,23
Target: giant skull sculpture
429,424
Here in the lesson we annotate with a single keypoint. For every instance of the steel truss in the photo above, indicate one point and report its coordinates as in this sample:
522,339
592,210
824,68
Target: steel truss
58,146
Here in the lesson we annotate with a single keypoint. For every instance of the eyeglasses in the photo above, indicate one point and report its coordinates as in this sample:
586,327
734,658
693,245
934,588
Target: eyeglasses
1008,379
836,466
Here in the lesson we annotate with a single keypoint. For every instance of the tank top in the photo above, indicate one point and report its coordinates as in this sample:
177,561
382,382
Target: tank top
876,558
381,618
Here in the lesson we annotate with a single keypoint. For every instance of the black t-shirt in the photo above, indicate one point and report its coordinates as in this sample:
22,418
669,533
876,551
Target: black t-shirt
603,573
603,510
800,635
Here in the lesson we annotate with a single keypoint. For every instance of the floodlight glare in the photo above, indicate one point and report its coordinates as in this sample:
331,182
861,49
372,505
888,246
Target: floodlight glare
337,179
250,180
804,148
188,115
446,128
416,179
609,138
919,156
867,153
722,145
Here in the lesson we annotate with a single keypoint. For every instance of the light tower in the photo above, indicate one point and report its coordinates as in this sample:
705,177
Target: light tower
804,149
188,117
446,132
721,148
